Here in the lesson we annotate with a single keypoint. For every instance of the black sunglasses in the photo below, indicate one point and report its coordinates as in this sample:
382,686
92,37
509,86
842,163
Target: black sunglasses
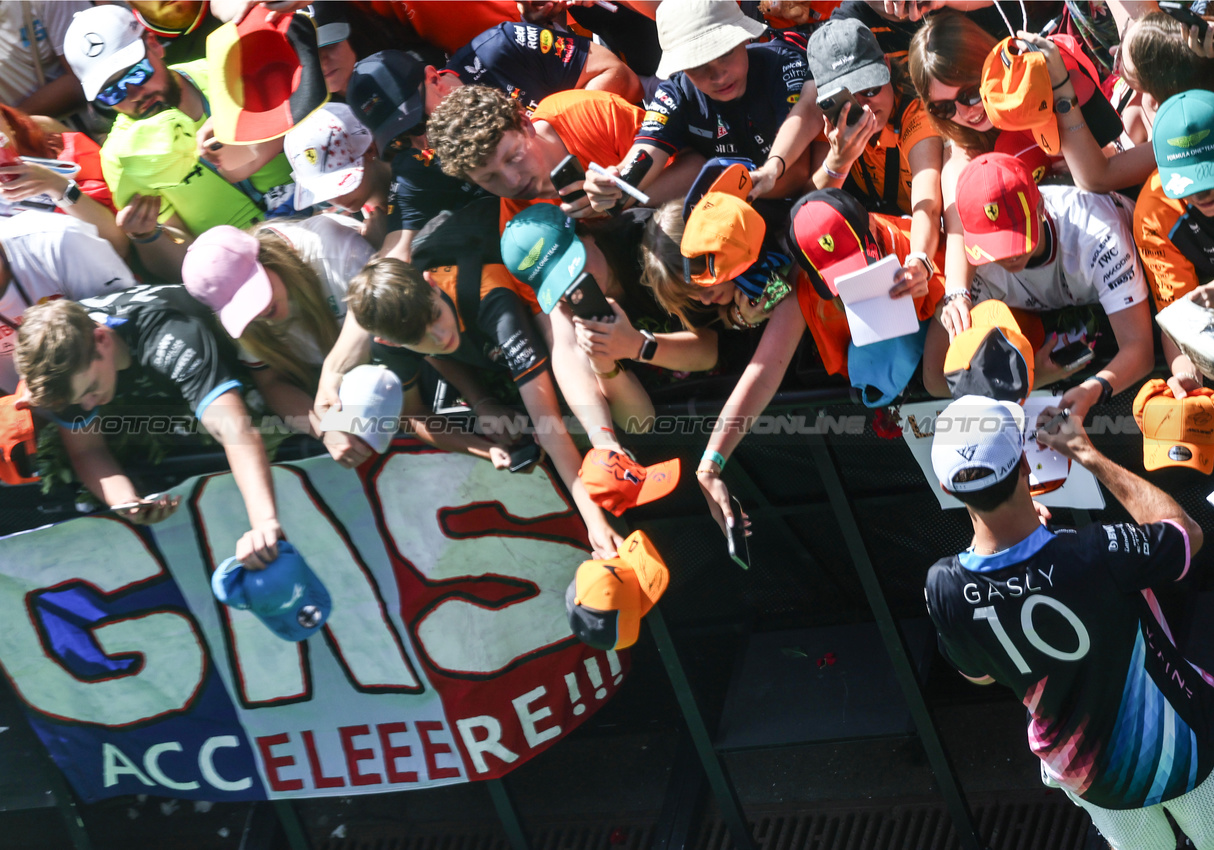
945,109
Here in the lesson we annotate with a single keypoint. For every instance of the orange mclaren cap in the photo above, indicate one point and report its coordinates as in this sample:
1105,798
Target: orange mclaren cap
994,358
18,443
1017,94
1175,431
616,482
607,599
724,229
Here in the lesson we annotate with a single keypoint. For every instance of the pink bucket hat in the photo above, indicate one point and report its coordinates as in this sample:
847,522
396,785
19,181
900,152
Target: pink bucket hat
221,271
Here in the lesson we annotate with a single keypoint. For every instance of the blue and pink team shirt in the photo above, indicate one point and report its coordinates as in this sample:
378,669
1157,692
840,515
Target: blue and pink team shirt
1069,622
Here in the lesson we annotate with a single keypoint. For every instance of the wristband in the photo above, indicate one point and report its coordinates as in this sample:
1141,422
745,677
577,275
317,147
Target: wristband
147,238
961,293
833,175
1106,389
783,164
607,375
713,457
1065,80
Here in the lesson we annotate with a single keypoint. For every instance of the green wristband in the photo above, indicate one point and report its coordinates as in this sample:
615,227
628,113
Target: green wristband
714,457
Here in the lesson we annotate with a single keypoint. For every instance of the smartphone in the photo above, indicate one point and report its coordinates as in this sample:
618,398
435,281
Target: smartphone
525,456
739,550
568,171
832,103
1073,356
587,301
126,506
1187,14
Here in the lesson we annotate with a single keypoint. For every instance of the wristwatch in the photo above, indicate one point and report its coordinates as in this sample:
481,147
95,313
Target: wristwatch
70,195
1063,105
648,348
925,259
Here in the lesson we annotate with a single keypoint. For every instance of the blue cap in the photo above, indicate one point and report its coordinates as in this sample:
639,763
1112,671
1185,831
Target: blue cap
287,596
881,370
707,176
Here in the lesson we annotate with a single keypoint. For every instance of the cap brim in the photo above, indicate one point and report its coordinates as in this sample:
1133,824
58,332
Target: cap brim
653,576
560,279
1187,180
247,304
1047,137
94,81
992,247
326,187
1160,454
331,34
343,420
713,45
660,480
410,114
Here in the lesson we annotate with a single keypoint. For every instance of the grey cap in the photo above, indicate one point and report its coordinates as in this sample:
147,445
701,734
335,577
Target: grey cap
843,53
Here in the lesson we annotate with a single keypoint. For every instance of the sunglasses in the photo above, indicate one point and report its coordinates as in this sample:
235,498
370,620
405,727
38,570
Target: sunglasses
945,109
116,92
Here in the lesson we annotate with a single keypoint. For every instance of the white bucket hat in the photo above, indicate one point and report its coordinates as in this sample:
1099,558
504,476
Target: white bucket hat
694,32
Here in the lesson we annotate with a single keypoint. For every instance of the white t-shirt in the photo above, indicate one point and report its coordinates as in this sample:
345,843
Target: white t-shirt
336,251
51,18
51,256
1092,258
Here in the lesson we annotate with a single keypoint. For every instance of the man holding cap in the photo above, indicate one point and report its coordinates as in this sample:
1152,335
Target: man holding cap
138,355
723,97
1174,217
150,158
1041,249
1119,718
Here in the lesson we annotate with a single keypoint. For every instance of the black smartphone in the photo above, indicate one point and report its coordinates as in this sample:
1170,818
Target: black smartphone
524,456
587,301
832,103
1073,356
1187,14
739,550
567,171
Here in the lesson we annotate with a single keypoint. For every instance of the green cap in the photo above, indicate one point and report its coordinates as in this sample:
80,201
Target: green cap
1183,137
540,248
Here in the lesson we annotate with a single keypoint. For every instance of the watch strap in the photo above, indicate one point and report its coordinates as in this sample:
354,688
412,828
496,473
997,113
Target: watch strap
649,347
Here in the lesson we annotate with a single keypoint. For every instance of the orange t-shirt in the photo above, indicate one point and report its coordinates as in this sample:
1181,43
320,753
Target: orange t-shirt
452,23
493,276
827,320
595,126
1169,273
916,126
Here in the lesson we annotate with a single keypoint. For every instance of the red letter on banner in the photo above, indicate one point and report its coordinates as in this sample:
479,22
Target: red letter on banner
353,756
319,780
434,748
273,763
391,753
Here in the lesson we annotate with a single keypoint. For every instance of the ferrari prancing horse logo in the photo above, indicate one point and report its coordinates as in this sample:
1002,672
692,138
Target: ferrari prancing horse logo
827,242
992,211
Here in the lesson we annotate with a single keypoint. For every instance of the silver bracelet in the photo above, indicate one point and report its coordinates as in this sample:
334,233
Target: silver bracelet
833,175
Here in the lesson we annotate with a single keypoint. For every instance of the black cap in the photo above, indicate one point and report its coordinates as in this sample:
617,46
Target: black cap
843,53
385,92
331,23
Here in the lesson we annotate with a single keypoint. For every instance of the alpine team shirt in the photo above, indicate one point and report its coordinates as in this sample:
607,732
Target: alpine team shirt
1068,621
178,353
501,336
1091,258
681,116
51,256
526,61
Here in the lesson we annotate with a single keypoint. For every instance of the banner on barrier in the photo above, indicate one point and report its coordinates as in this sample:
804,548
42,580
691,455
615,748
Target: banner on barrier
447,656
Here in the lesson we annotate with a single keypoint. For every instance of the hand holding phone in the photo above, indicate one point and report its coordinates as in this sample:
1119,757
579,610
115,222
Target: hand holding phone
739,549
1186,14
567,172
524,457
587,301
1073,356
832,104
148,510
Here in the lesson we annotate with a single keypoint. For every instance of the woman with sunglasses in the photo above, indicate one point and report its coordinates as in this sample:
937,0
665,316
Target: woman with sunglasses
945,61
889,156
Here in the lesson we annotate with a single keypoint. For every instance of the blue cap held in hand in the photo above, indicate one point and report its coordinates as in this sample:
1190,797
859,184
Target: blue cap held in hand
287,596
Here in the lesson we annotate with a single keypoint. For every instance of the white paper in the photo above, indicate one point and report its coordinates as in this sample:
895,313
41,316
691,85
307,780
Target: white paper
918,426
1045,464
871,314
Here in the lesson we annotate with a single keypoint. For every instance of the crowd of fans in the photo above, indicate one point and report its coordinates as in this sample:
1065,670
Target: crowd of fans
457,185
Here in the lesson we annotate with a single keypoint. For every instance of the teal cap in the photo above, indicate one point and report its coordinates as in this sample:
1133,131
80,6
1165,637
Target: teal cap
1183,138
540,248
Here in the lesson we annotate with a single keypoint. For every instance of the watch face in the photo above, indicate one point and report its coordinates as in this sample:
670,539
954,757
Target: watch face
1065,105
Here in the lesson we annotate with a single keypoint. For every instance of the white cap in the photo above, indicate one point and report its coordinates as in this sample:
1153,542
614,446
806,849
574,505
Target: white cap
326,154
371,399
100,42
694,32
975,432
